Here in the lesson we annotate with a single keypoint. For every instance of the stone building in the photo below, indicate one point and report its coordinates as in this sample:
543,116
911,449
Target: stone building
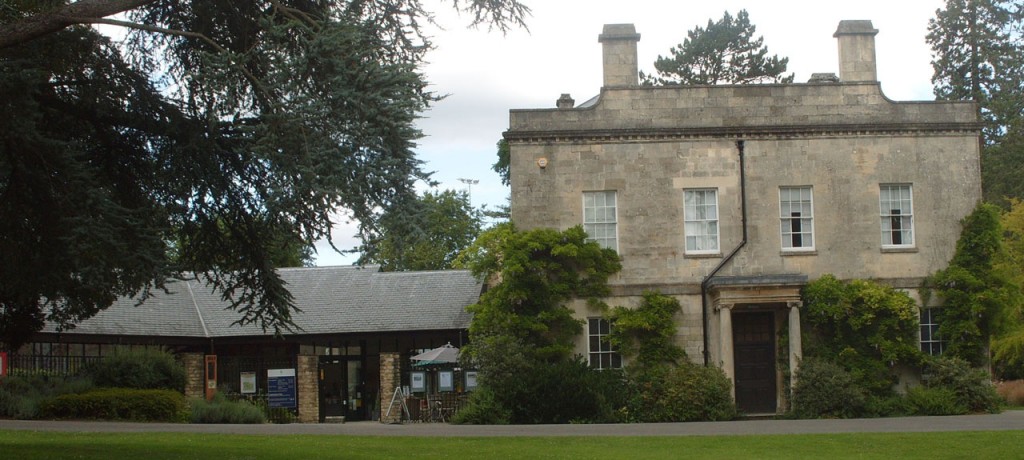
731,197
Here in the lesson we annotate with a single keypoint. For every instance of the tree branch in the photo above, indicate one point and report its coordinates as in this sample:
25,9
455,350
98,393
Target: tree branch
40,24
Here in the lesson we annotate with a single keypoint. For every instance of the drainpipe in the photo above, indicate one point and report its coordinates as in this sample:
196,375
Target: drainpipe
743,242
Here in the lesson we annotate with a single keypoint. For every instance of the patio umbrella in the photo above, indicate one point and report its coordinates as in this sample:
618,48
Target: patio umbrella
446,354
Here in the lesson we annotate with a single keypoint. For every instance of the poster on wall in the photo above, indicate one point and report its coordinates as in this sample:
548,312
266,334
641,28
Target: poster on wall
248,384
418,381
446,381
281,388
470,380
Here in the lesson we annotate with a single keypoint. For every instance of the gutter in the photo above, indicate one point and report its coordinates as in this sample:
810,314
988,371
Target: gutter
743,242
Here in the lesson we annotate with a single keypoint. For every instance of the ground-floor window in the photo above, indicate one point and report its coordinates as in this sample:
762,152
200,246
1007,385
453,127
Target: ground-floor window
931,343
602,356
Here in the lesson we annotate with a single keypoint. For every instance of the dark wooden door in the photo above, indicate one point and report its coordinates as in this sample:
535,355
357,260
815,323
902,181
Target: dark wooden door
754,357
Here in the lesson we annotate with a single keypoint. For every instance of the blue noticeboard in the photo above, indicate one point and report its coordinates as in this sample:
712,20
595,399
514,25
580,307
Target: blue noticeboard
281,388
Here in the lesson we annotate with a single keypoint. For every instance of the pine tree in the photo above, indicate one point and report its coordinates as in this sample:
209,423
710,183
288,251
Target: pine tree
723,52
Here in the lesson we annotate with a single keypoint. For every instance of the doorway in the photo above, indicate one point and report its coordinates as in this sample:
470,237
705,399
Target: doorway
754,358
341,388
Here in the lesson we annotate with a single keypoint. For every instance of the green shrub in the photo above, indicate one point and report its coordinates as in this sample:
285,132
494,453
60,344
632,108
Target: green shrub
20,395
893,405
687,392
483,408
145,369
973,387
118,404
826,390
934,401
223,410
564,392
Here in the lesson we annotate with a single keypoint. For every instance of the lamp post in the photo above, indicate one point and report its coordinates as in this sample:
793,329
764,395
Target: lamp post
469,187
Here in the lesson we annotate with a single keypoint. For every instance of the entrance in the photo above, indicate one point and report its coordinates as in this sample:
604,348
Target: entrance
754,347
341,388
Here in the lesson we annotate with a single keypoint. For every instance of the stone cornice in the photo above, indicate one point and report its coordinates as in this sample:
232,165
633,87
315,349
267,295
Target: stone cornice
746,132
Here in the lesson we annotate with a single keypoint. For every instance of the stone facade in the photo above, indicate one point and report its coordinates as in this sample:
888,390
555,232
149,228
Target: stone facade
843,142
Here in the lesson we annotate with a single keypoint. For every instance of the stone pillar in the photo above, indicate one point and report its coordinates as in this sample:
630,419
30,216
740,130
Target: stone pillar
795,346
856,51
725,345
619,54
195,374
307,389
390,381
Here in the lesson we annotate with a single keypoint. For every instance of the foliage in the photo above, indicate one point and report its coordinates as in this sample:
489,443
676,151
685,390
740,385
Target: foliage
978,299
863,326
647,332
679,393
140,368
540,271
20,395
427,236
216,131
723,52
934,401
502,166
118,404
483,408
826,390
1008,347
973,387
223,410
978,55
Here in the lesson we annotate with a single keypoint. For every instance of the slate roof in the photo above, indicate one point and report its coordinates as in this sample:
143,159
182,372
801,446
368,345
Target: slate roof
333,300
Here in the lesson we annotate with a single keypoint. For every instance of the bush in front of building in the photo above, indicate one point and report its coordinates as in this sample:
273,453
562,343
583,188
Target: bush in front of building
679,393
20,395
118,404
972,387
223,410
824,389
924,400
141,368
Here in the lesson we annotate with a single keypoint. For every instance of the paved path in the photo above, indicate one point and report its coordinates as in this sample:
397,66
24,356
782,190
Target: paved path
1009,420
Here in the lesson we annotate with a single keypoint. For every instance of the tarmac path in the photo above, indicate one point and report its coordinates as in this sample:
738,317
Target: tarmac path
1006,421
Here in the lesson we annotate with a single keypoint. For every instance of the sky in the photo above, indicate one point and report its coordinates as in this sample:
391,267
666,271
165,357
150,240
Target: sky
485,73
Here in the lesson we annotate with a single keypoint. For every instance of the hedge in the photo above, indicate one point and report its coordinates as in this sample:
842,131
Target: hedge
118,404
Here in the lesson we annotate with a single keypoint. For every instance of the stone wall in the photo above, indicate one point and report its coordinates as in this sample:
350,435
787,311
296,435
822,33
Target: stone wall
307,389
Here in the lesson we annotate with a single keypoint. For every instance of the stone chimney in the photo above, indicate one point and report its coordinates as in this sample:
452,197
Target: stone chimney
565,101
856,51
619,54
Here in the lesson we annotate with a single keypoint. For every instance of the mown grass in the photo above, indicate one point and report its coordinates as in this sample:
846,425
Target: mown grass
157,446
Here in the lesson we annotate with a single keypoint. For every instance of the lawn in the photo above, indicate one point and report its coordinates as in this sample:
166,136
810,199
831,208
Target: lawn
156,446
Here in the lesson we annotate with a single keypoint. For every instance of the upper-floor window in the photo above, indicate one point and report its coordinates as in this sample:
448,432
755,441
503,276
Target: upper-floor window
601,355
599,219
931,343
796,212
896,202
700,217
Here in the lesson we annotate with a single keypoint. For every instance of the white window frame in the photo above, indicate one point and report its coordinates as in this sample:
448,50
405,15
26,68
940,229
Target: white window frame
931,343
597,220
896,215
600,353
701,226
799,227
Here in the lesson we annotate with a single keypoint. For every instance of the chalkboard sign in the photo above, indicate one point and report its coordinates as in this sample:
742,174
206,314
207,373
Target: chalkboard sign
281,388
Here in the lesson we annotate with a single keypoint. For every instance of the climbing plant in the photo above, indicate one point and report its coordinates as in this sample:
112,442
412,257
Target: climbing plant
646,333
863,326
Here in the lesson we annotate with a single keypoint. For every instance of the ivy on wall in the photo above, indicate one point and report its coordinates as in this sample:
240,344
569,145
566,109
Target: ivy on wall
646,333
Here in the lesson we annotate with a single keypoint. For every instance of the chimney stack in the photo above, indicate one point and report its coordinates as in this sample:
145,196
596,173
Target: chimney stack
619,54
856,50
